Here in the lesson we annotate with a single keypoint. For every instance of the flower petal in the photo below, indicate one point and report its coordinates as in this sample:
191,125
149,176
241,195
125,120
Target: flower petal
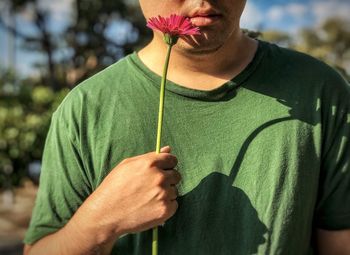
174,25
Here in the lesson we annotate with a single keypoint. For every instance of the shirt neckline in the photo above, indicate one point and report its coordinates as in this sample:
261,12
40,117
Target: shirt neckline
218,94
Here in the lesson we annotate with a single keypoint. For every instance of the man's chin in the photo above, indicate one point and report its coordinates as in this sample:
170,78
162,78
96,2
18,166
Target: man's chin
198,48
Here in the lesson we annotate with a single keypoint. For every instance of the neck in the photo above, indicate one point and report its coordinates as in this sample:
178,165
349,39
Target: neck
209,69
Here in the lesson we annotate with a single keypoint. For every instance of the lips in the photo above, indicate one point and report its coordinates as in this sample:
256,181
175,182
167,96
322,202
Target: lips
202,18
202,21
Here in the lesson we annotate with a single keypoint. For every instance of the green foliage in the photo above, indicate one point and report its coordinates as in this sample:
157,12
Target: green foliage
98,33
278,37
330,43
93,43
24,122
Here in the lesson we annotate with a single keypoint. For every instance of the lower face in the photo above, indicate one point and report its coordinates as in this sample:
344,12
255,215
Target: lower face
218,21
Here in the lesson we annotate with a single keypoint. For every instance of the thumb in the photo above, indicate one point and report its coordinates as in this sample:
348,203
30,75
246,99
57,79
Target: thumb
165,149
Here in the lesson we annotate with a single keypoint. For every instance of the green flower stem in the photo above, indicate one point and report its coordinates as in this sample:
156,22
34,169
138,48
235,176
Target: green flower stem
159,134
161,100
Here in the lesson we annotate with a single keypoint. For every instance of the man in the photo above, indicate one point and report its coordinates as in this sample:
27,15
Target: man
260,136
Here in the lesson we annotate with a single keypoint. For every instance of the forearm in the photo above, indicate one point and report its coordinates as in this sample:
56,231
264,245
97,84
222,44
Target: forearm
333,242
81,235
144,196
67,241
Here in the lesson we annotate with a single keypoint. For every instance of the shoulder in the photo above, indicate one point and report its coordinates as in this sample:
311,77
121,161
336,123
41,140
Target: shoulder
107,79
304,69
97,90
294,60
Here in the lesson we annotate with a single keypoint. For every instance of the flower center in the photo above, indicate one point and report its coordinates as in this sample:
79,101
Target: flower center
170,39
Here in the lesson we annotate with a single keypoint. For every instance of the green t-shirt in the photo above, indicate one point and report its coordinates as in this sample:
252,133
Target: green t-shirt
264,158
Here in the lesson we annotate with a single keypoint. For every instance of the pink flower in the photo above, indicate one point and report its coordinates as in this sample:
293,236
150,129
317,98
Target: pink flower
175,25
172,28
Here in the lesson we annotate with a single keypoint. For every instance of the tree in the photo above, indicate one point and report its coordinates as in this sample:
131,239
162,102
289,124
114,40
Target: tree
87,38
42,42
278,37
93,49
24,120
330,43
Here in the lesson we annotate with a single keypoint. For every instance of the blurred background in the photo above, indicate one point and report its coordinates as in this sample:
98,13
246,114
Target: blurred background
48,47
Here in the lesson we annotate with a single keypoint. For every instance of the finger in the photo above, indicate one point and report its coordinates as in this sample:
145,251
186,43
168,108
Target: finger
164,161
172,177
173,193
170,193
165,149
171,209
173,205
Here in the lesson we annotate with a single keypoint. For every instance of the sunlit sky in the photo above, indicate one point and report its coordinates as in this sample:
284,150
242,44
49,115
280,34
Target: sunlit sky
286,15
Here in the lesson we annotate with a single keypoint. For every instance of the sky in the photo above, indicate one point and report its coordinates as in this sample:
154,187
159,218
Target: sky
285,15
290,15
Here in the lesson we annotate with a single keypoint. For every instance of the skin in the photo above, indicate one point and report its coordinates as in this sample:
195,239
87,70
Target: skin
148,196
333,242
144,197
211,59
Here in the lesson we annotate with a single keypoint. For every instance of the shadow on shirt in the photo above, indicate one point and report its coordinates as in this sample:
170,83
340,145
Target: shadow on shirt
227,223
213,224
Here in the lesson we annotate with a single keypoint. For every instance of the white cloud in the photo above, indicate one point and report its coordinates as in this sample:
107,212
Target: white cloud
312,13
296,10
252,17
323,10
292,10
276,13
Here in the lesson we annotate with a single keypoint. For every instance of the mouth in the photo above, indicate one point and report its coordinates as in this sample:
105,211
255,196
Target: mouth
202,18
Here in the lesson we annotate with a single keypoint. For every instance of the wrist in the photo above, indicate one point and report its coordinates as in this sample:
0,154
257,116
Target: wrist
92,227
89,233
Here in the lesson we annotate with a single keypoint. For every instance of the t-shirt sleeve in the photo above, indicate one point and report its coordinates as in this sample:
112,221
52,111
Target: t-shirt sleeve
333,205
63,182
